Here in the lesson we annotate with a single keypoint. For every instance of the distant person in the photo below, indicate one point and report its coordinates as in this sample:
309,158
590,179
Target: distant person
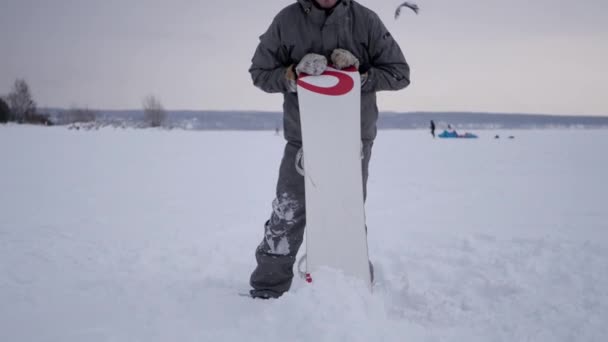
452,131
433,128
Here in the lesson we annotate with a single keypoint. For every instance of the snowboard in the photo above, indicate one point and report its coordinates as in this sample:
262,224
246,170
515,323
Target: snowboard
330,116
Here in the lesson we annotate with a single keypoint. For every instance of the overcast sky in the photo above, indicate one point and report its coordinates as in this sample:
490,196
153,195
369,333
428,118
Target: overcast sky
532,56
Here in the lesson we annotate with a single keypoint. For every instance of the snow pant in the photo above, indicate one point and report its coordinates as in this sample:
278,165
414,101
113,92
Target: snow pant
284,231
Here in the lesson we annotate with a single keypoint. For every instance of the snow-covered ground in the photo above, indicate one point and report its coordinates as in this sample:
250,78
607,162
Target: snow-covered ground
145,235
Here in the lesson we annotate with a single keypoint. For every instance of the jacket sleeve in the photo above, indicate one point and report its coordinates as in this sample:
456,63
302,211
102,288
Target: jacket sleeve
267,67
388,69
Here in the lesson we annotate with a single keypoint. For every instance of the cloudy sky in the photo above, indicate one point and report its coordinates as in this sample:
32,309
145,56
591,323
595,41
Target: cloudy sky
531,56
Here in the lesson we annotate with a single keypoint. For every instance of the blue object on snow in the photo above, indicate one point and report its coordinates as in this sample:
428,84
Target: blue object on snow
453,134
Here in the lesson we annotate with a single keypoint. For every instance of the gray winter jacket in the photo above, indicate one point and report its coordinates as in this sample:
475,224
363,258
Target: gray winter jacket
302,28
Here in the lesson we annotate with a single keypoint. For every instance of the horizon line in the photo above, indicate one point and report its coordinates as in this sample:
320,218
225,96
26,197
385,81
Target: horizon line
381,111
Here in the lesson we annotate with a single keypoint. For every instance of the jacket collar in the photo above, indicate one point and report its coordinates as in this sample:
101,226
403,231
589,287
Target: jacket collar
319,15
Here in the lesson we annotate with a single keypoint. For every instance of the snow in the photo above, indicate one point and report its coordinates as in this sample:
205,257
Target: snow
149,235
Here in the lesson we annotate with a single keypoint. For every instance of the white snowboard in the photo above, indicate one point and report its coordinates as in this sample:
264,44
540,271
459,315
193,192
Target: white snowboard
330,115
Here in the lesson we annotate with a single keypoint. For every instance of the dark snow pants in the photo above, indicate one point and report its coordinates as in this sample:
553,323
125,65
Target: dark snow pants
284,231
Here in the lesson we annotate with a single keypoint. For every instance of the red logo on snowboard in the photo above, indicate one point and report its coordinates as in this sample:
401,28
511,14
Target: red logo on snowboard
344,85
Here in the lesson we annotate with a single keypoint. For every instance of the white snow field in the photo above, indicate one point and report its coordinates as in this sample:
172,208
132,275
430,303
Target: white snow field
149,235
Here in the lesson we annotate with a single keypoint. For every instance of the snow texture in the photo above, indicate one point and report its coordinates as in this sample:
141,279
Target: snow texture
146,235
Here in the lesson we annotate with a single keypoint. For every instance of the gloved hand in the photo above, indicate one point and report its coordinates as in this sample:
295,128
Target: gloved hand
342,59
312,64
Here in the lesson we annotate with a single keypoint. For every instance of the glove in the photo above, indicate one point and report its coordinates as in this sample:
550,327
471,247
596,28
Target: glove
342,59
312,64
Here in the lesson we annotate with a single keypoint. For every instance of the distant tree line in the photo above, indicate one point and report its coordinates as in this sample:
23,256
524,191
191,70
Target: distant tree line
5,111
19,106
81,115
154,112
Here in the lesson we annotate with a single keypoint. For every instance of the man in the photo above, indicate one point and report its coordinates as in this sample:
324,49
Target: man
304,38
